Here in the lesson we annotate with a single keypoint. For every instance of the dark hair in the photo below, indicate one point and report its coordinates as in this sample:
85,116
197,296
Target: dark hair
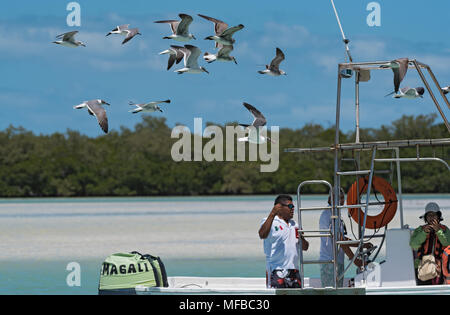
282,198
331,195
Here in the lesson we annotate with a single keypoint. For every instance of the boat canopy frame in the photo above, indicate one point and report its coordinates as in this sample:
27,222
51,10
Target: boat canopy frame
357,147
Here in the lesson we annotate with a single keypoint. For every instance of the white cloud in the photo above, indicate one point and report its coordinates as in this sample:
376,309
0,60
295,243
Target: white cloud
436,62
368,49
285,35
328,63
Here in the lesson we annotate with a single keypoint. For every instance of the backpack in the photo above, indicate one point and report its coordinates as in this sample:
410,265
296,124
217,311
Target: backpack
122,272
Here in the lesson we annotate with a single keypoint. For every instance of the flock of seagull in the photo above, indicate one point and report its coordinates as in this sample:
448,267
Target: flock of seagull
224,43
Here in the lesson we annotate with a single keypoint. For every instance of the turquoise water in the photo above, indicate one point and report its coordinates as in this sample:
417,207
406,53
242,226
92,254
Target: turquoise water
49,277
41,236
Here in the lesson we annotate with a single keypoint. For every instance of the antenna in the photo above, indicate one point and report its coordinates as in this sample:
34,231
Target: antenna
345,39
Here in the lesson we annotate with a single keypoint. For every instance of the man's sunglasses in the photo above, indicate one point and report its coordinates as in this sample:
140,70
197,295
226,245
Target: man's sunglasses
290,206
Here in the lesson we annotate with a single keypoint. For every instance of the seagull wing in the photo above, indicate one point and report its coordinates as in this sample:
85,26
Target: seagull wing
173,24
171,61
275,64
183,27
179,52
228,33
148,106
400,72
194,53
122,27
100,114
405,90
225,51
67,37
219,26
411,92
259,120
176,56
186,54
131,34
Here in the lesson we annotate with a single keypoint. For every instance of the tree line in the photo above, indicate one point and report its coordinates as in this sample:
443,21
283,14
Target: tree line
138,162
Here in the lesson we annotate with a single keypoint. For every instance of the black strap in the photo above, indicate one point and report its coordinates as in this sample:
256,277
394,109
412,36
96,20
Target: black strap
150,259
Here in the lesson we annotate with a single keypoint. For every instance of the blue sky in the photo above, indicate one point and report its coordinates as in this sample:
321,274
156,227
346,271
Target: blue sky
41,82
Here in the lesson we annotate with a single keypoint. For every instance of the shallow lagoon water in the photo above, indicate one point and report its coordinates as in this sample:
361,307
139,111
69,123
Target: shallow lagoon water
195,236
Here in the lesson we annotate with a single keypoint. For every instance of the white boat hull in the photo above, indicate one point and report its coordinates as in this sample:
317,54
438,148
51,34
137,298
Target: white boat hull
257,286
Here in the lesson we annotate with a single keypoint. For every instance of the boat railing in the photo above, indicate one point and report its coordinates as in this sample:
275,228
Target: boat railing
362,74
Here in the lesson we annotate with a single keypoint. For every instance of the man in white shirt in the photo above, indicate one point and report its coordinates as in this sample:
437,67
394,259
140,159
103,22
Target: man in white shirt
280,234
326,247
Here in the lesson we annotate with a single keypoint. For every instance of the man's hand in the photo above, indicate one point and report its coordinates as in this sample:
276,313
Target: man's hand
305,244
264,230
435,225
276,209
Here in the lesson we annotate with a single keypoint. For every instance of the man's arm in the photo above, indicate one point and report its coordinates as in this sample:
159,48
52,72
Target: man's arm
417,238
444,236
264,230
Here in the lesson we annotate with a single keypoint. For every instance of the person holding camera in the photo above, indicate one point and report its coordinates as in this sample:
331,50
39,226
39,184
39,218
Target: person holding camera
425,238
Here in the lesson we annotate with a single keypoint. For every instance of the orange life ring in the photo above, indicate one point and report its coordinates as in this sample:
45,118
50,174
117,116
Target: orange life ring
390,198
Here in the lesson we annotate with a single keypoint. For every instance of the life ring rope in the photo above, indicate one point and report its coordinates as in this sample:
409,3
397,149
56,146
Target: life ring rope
390,202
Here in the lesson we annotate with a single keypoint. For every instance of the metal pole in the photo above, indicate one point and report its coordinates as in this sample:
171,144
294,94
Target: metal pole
336,178
438,86
361,241
357,105
300,247
358,156
345,39
399,183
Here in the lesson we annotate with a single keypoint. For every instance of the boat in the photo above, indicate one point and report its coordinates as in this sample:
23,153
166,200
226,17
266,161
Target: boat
393,276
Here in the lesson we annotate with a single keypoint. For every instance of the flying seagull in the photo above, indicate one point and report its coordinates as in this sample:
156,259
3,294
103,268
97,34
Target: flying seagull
95,108
125,31
131,33
410,93
274,68
223,34
175,55
147,107
399,67
191,54
68,40
446,89
222,55
120,29
259,121
180,29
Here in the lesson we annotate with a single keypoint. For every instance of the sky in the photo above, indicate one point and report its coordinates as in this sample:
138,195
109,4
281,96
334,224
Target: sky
41,81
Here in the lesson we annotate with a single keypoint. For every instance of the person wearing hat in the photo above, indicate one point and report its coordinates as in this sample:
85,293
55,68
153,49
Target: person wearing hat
424,236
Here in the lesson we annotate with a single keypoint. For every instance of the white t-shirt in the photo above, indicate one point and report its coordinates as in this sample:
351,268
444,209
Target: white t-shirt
281,245
326,243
